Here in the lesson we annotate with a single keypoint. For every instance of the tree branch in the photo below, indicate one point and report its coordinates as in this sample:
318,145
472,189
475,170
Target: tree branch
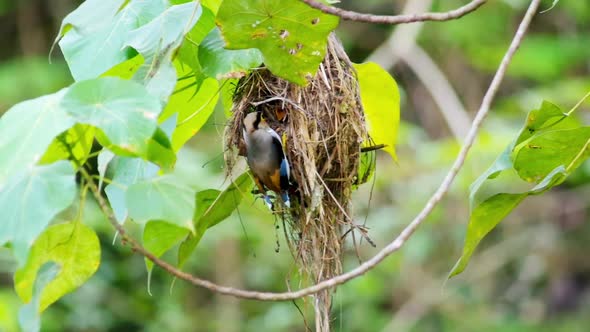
396,19
392,247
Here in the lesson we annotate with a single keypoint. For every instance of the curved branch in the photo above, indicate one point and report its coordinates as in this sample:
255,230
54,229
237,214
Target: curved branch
386,251
396,19
440,89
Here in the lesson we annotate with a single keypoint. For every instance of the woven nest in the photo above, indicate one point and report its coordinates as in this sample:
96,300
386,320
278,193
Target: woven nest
323,130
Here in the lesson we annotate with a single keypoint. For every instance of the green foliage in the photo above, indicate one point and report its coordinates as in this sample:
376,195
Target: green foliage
157,42
30,199
74,248
188,53
29,316
291,35
123,110
159,237
94,36
146,81
74,143
161,198
27,131
212,208
194,102
380,98
124,172
549,147
8,311
219,62
536,58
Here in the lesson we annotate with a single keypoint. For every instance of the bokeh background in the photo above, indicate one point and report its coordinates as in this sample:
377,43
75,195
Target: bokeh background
531,274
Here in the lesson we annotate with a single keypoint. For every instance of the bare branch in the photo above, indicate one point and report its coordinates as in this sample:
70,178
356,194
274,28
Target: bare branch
441,90
392,247
396,19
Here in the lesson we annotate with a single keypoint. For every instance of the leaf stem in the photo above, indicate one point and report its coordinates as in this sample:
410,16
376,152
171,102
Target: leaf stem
579,103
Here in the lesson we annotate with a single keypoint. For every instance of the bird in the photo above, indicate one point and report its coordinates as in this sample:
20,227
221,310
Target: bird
266,157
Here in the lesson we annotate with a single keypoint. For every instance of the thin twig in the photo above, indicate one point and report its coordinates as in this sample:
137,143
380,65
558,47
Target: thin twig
396,19
392,247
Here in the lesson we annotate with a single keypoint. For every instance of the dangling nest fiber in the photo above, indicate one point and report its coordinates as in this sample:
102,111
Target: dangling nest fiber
323,130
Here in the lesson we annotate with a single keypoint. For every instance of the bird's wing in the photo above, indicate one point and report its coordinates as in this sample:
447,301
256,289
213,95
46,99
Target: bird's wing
285,171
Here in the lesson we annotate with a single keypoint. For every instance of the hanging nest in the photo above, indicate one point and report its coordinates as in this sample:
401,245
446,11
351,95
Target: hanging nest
323,127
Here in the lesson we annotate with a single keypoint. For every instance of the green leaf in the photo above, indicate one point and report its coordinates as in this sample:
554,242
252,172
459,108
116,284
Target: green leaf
29,317
95,34
380,98
213,5
124,172
213,207
548,117
194,107
487,215
539,155
166,198
159,237
291,35
220,63
74,247
501,164
76,142
126,69
123,110
366,169
160,151
157,42
27,131
103,160
9,303
30,200
188,53
547,150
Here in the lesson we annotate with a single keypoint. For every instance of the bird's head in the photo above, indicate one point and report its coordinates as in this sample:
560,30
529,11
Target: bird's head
254,121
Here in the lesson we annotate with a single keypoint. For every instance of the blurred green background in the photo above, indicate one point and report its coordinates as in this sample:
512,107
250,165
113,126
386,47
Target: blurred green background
531,274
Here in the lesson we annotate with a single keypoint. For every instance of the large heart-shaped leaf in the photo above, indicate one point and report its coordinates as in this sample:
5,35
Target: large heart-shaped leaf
219,62
95,34
291,35
157,42
124,172
27,131
165,198
30,200
74,247
123,110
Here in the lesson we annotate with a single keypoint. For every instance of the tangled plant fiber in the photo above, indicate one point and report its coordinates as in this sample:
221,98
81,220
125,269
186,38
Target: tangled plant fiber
323,127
